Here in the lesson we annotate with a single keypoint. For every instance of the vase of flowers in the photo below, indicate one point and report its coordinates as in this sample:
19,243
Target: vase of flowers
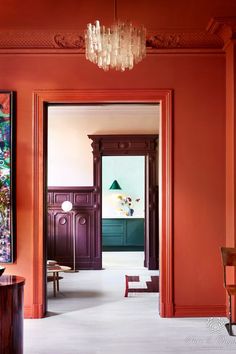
126,204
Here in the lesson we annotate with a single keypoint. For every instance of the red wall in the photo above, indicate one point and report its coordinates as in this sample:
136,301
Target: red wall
198,82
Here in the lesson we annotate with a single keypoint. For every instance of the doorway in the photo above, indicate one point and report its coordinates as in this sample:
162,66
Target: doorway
42,99
123,211
130,145
74,237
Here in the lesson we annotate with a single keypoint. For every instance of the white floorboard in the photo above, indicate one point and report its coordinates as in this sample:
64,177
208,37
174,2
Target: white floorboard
91,316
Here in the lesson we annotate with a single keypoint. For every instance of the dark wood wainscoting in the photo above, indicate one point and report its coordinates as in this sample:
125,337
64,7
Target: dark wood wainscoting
78,225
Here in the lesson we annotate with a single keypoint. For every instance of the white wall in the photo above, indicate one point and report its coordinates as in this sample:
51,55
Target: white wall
70,160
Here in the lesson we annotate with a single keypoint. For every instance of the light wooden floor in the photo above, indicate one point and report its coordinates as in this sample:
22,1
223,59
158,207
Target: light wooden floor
91,316
123,260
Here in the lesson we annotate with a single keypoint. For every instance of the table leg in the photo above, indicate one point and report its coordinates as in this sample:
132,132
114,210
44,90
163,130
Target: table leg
58,281
54,284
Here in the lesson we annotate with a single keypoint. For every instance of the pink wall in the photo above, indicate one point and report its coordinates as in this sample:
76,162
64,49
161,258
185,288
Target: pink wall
198,82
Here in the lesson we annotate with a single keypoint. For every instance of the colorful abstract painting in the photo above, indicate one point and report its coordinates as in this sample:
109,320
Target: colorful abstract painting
6,214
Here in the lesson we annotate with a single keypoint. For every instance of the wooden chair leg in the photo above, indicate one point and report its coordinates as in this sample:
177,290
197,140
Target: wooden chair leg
230,323
230,316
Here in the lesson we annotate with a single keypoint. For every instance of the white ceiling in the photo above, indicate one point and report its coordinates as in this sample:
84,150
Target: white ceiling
124,112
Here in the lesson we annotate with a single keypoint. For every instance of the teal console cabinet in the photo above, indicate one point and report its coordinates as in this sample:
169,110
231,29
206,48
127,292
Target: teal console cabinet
125,234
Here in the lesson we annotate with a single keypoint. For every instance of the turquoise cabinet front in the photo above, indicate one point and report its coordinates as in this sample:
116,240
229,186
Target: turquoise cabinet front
123,233
112,232
134,232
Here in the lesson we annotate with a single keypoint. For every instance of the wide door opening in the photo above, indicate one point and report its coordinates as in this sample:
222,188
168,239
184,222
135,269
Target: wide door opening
79,237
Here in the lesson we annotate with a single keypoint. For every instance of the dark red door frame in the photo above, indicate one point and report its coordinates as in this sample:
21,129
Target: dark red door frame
129,145
41,100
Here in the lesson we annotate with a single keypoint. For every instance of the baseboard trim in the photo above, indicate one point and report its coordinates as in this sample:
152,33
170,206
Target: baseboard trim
28,312
93,265
34,311
200,311
166,310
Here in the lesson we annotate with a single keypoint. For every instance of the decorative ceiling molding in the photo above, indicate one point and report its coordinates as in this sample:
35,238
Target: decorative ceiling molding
69,40
41,40
184,40
64,41
223,27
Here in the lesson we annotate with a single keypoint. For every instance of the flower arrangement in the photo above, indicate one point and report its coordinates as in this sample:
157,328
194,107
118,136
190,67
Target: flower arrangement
126,204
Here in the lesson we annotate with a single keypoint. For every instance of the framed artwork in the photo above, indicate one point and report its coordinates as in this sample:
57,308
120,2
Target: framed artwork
6,179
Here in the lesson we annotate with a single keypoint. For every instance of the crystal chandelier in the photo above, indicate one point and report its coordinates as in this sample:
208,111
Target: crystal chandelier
118,47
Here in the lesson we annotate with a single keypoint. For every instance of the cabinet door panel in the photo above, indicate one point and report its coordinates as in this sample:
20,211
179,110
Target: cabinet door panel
82,225
114,240
50,238
83,232
113,227
113,231
63,237
135,232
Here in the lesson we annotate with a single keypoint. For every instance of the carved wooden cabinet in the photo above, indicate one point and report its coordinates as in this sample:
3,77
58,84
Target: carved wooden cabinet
75,228
60,236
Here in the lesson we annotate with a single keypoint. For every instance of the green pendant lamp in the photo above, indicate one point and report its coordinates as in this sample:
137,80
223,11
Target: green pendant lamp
115,185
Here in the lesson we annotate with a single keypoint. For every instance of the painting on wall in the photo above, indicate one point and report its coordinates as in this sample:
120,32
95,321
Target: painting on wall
6,185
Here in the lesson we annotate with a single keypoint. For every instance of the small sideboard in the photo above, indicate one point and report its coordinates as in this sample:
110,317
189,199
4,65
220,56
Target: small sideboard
125,234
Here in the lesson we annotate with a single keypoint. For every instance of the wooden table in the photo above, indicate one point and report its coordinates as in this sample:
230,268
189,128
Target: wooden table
11,314
55,270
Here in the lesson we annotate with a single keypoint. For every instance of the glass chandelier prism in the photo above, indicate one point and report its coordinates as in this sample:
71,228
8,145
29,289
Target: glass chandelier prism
118,47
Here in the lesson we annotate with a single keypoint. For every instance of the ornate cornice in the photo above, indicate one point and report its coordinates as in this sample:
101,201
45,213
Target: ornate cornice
69,40
184,40
41,40
223,27
73,41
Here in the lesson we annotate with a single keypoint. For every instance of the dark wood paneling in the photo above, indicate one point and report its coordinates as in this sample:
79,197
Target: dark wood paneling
112,145
59,198
63,236
50,235
77,226
83,232
82,198
78,196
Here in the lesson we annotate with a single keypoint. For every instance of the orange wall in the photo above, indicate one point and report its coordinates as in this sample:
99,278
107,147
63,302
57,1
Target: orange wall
198,82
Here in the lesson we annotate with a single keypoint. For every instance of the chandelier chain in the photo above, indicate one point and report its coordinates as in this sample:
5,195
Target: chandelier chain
115,11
